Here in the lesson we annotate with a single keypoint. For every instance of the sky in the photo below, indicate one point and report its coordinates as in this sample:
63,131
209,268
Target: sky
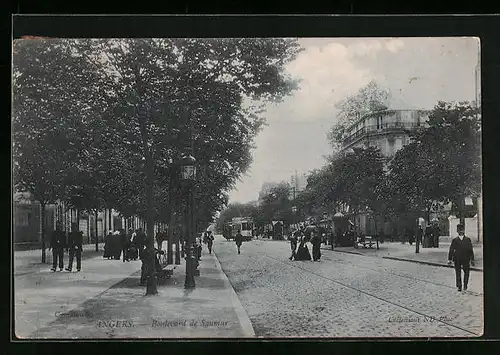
418,72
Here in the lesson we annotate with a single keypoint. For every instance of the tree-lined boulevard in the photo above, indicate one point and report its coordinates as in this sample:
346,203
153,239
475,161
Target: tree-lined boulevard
161,130
106,123
440,165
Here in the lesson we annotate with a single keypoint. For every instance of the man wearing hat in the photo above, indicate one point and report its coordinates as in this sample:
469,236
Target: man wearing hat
75,248
462,254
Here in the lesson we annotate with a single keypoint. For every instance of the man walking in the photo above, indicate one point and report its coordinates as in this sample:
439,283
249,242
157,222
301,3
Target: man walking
239,240
293,244
316,243
75,247
125,244
462,254
57,244
210,242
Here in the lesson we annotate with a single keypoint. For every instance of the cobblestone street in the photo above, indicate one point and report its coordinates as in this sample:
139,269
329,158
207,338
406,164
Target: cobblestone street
348,295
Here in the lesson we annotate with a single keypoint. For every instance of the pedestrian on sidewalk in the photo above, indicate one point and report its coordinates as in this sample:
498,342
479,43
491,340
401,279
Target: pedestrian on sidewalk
435,234
75,247
57,244
316,244
427,236
420,234
293,243
108,246
462,254
125,244
140,241
239,240
159,239
210,242
134,251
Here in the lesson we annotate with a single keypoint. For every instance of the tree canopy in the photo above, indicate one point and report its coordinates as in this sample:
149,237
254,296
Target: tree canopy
109,120
370,98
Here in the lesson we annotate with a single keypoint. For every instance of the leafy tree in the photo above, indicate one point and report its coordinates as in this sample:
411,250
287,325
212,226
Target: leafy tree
144,101
48,117
370,98
442,163
191,87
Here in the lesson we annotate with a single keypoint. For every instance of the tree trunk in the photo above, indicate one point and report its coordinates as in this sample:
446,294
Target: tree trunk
170,226
96,229
70,219
42,231
461,208
110,215
77,220
104,224
151,281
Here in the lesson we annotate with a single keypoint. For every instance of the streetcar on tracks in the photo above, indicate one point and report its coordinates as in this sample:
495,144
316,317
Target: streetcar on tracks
243,224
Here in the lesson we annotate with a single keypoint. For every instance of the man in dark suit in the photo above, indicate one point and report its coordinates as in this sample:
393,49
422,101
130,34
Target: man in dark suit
75,247
462,254
293,243
239,240
57,244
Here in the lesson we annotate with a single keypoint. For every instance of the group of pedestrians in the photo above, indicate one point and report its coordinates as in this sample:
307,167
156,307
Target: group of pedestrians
300,251
73,244
208,239
428,237
129,246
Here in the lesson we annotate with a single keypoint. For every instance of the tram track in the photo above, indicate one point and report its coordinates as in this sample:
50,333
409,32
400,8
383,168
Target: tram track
340,261
369,293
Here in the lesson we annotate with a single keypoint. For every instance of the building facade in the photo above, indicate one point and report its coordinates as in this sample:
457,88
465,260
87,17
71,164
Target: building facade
298,183
27,224
387,130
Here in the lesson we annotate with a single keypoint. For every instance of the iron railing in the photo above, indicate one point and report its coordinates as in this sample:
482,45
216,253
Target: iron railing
379,128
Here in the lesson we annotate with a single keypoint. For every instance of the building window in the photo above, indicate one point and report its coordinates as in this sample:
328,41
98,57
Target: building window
379,122
23,219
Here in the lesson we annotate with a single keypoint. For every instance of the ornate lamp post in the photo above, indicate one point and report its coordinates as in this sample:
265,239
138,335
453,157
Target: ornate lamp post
188,177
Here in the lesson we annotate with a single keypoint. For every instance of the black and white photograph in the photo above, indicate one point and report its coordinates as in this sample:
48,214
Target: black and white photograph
218,188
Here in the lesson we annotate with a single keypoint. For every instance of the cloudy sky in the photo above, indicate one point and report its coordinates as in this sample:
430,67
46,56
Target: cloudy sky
418,71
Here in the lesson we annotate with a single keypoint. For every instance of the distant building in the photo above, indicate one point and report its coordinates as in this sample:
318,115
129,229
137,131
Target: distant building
387,130
298,183
27,224
26,219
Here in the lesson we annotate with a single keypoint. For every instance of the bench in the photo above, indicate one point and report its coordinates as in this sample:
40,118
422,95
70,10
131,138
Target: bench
366,241
166,271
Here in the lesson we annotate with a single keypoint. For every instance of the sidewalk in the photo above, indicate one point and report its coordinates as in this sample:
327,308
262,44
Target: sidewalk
41,295
211,310
27,261
406,252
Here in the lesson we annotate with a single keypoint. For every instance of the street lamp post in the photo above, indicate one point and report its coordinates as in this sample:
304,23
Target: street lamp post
188,176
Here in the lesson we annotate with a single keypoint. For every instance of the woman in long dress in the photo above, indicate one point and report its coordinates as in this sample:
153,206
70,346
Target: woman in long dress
302,251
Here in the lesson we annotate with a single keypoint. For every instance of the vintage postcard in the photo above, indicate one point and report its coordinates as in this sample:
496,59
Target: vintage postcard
247,188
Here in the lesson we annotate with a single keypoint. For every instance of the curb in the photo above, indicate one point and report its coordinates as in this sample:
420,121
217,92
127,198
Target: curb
403,259
344,251
245,322
427,263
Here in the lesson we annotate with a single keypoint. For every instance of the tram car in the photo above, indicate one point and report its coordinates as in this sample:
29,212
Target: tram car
243,224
